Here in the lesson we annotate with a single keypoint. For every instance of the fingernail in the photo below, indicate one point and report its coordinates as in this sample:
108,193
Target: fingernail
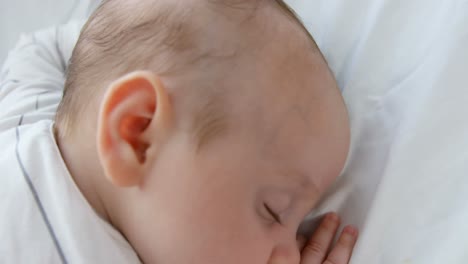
351,230
332,217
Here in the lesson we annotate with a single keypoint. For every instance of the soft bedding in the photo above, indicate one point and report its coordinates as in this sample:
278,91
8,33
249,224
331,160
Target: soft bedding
403,70
22,16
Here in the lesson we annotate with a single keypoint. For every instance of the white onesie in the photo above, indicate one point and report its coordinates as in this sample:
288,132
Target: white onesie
44,216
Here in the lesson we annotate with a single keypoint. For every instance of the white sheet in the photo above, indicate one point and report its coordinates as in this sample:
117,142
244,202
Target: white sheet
402,67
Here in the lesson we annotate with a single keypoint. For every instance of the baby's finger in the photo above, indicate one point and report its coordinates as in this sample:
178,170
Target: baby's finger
341,253
316,249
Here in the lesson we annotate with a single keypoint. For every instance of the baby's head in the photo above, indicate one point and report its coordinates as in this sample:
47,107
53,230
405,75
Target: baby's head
204,130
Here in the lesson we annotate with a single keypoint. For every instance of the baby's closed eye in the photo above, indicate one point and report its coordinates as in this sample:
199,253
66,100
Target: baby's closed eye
274,206
276,217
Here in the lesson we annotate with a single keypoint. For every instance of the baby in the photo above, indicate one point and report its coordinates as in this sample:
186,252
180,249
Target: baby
190,131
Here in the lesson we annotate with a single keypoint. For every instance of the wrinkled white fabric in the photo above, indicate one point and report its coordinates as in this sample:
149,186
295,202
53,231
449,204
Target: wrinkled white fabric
45,218
403,70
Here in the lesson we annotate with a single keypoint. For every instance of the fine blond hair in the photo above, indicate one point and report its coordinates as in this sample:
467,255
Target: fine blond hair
120,38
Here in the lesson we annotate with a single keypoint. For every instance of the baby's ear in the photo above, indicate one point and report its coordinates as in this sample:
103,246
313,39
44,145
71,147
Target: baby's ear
135,116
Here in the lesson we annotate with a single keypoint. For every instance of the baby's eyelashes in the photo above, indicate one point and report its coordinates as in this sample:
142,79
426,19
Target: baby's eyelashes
275,206
274,215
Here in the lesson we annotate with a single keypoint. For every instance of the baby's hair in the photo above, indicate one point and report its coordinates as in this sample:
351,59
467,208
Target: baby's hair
123,36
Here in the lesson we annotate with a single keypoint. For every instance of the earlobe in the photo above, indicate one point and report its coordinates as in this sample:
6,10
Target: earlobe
134,108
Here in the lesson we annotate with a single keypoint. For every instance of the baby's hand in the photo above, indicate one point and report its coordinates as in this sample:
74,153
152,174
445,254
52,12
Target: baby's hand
317,249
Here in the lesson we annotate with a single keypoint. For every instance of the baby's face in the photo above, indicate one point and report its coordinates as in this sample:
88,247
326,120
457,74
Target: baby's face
241,198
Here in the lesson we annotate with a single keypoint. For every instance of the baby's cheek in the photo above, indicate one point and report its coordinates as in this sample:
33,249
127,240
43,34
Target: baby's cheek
284,255
244,240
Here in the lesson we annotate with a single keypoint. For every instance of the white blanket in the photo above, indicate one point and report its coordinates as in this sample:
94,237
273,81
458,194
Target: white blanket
26,16
45,219
403,70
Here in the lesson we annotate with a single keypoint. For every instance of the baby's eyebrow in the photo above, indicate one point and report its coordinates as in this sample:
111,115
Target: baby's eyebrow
303,183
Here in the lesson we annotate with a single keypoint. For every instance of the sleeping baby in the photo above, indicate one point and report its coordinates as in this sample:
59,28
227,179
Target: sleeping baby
190,131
